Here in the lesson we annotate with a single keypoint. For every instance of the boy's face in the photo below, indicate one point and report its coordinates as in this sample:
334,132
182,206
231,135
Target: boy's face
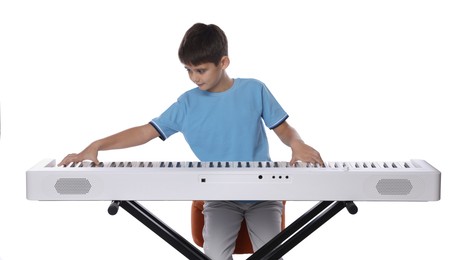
209,77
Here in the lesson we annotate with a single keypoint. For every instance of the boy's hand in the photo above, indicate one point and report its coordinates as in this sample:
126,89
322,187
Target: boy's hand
90,153
300,150
305,153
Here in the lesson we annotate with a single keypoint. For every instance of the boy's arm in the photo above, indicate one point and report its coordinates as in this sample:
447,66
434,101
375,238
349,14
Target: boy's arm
300,151
127,138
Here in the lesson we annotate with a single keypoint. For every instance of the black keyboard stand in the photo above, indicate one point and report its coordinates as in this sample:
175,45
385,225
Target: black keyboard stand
291,236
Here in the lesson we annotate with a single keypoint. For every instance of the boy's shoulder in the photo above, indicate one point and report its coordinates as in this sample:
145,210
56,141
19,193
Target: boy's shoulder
251,85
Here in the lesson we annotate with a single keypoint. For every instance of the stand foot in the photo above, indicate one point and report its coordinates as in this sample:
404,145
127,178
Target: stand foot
351,207
113,208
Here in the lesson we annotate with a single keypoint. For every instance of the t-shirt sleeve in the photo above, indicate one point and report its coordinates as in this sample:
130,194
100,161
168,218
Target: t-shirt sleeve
170,121
273,113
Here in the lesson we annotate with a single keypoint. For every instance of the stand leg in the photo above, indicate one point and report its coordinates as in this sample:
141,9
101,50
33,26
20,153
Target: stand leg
162,230
290,230
276,248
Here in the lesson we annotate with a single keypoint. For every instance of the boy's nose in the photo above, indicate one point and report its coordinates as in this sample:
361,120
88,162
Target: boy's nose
195,79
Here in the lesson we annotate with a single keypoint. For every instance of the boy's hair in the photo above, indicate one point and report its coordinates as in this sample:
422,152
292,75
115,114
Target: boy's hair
202,44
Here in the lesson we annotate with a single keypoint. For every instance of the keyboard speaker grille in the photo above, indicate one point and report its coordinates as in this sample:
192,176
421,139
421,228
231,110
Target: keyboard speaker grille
394,186
71,186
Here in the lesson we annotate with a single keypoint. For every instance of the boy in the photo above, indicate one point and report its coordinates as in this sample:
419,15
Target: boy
222,120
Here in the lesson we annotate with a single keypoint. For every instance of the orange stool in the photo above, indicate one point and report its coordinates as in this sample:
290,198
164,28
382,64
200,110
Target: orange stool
243,244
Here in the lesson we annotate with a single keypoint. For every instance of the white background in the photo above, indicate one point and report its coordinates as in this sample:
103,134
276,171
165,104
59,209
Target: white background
361,80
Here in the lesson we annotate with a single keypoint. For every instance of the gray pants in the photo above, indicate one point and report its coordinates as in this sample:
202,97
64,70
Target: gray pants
222,221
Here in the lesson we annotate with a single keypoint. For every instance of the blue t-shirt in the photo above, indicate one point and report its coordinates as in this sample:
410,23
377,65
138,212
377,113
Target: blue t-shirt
224,126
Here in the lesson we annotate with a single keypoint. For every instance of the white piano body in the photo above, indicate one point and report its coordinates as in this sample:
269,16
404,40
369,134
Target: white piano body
414,180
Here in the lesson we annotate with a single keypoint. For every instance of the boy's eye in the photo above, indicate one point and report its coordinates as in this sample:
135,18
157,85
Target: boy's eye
199,71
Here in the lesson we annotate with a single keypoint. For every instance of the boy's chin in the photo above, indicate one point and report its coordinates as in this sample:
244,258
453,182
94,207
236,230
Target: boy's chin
203,87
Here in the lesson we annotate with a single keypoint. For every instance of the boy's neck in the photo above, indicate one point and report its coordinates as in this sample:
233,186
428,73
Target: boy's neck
224,84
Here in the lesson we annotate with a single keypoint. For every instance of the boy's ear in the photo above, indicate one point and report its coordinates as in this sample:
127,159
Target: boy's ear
225,62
